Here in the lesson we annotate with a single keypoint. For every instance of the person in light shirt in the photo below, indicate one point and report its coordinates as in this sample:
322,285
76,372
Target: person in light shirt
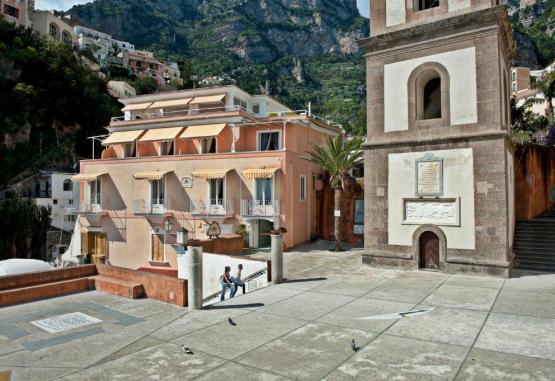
237,280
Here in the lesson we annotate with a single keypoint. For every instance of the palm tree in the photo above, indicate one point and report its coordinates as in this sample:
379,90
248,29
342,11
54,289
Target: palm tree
337,156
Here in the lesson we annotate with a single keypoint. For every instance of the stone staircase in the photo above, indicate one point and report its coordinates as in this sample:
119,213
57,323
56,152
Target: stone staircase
534,244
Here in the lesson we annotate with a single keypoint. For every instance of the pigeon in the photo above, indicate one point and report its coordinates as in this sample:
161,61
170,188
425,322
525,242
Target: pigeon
186,349
354,345
230,321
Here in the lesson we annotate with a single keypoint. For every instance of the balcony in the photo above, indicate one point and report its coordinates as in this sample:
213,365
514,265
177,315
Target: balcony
145,208
184,113
260,208
88,208
212,208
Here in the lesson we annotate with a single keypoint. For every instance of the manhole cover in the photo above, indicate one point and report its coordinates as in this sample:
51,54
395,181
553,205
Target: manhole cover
65,322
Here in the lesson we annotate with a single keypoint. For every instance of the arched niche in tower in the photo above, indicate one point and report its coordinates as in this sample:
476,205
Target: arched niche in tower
428,95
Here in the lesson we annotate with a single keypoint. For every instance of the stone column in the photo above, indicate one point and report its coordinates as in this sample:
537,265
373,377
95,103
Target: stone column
277,257
194,282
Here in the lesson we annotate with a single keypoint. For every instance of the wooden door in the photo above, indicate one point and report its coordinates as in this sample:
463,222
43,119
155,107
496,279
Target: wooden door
157,248
98,247
429,251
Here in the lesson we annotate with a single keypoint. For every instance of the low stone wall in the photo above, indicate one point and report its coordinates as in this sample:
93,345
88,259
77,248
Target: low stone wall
159,287
51,276
534,179
229,245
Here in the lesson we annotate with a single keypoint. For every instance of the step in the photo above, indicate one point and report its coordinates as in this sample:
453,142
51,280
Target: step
534,251
535,260
539,268
536,256
118,287
546,247
45,290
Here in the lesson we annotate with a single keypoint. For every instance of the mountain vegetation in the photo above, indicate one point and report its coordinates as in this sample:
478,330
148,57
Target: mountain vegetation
298,51
50,102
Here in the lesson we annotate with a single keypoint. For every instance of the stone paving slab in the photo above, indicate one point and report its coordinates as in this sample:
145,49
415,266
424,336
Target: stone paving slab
396,358
240,372
308,305
346,316
37,374
251,330
487,365
162,362
196,320
443,325
307,353
529,303
353,286
475,281
473,298
523,335
408,290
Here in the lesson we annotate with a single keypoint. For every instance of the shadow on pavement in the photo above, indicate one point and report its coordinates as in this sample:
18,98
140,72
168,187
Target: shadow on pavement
304,280
232,306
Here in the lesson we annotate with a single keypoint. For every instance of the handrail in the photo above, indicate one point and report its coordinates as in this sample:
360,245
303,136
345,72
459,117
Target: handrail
247,279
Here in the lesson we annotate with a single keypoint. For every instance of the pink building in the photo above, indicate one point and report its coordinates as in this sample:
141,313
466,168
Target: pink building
179,160
17,11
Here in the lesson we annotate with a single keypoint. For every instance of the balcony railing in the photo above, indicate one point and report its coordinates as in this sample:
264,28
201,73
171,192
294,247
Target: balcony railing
88,208
260,208
182,112
217,207
143,207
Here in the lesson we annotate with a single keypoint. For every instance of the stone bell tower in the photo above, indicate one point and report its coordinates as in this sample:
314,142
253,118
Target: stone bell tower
439,189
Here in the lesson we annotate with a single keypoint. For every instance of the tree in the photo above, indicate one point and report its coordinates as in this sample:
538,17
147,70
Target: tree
337,156
145,85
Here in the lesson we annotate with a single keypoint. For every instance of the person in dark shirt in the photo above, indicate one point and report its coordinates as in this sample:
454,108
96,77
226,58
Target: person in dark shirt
227,282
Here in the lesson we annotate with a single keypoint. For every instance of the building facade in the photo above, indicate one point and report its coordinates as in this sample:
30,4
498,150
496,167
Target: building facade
439,181
102,44
520,79
56,28
180,160
17,11
121,89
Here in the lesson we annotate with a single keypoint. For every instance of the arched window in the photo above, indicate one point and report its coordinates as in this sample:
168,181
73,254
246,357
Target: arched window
66,38
428,95
53,30
68,185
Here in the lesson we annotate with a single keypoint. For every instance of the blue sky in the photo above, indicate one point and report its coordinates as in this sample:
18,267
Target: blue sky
63,5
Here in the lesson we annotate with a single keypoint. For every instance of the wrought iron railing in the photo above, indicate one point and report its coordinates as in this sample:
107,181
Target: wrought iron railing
260,208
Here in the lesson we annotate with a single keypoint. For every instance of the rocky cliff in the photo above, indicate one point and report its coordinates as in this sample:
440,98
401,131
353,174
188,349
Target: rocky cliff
254,31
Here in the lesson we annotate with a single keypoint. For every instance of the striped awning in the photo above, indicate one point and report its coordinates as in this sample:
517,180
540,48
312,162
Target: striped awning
172,103
202,131
149,175
87,176
136,106
210,173
119,137
208,99
260,173
161,134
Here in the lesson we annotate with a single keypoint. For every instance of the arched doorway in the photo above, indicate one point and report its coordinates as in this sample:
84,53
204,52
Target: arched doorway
429,251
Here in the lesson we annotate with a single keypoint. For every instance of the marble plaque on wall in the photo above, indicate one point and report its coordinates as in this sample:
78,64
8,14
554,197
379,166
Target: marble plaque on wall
441,212
429,176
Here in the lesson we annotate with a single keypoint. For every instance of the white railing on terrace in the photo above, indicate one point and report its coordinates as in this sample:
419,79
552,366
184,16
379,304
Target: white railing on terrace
180,112
217,207
142,207
260,208
88,208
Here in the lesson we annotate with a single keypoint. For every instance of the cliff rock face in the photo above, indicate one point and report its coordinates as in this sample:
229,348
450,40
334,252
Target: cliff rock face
256,31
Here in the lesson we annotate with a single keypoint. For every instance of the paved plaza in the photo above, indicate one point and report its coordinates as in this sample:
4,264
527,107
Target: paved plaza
471,328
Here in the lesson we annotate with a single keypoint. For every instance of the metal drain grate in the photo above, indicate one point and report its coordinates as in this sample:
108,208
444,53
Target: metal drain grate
60,323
